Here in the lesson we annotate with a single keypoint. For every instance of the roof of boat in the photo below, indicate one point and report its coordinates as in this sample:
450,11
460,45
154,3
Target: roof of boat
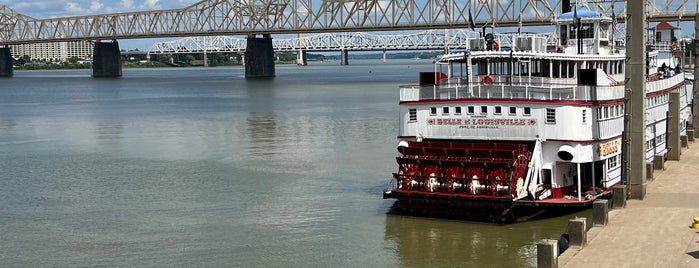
583,12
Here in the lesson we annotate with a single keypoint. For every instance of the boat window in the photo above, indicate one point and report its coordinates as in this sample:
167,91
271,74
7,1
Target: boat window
484,109
498,109
527,111
550,116
587,30
445,110
613,162
470,110
433,110
513,110
584,116
413,115
457,110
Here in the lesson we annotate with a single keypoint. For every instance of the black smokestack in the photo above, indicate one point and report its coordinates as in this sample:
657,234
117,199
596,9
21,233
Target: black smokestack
565,5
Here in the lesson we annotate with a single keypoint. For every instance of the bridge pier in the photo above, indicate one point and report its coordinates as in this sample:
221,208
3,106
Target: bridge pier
301,58
106,60
259,57
5,62
344,60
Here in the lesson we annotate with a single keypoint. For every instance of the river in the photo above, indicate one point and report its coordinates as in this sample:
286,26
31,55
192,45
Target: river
199,167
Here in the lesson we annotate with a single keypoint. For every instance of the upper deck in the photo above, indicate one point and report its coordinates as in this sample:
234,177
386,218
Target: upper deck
530,89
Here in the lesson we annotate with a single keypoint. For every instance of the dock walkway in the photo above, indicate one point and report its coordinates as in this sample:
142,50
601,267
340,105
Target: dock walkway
654,232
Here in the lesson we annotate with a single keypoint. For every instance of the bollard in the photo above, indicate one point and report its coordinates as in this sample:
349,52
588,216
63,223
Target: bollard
658,161
600,212
649,171
547,253
690,134
577,229
619,196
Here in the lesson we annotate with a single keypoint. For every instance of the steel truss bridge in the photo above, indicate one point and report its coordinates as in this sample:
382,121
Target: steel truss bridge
243,17
423,40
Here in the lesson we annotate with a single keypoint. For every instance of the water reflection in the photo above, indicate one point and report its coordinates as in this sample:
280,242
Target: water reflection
262,131
422,242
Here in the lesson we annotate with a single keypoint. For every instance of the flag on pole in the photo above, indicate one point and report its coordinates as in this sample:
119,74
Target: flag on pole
519,25
575,17
470,20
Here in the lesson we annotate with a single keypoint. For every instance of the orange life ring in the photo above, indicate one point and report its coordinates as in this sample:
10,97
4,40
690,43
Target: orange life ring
496,45
487,80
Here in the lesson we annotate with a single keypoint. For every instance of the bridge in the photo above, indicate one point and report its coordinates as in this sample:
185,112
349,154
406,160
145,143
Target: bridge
267,17
357,41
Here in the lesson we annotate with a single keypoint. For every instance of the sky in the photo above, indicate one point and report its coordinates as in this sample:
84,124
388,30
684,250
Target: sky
63,8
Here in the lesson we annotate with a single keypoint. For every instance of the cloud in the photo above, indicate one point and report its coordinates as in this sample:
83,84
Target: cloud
151,4
127,4
74,7
96,6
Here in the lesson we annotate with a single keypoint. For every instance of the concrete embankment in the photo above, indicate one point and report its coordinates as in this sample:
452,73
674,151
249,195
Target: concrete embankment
654,232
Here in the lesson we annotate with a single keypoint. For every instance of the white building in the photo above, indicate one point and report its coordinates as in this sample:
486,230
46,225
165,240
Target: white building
55,52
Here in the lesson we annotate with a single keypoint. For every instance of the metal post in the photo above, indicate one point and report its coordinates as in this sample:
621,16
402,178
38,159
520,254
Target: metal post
579,184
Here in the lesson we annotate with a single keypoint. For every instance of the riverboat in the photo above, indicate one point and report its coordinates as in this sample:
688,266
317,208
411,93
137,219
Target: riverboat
516,123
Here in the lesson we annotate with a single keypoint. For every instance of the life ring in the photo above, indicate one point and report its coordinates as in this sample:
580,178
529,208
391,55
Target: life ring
487,80
496,45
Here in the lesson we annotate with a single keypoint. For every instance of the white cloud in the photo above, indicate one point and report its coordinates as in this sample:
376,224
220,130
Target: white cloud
73,7
151,4
127,4
96,6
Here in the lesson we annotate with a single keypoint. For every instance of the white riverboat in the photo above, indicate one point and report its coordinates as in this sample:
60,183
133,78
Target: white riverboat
522,121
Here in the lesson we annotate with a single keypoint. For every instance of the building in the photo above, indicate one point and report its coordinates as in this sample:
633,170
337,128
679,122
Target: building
54,52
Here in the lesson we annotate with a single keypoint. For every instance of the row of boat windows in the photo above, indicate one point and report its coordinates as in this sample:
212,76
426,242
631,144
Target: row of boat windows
497,110
546,68
483,110
657,100
608,112
660,139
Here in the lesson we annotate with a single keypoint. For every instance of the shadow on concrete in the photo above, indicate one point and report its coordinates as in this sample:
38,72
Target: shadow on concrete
694,254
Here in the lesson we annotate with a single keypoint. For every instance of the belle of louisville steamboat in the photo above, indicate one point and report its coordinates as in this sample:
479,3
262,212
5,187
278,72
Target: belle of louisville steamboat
517,122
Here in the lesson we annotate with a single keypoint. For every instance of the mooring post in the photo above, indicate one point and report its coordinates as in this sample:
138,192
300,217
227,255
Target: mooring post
600,212
547,253
658,162
619,196
577,230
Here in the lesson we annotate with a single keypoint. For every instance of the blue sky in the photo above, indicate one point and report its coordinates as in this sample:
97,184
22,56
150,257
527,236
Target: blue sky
62,8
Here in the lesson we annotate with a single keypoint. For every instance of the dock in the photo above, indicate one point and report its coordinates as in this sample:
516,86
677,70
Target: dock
654,232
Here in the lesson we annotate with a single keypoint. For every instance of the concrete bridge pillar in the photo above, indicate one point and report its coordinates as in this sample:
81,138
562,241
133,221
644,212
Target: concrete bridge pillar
674,148
106,60
301,58
634,154
344,60
5,62
695,107
384,55
259,57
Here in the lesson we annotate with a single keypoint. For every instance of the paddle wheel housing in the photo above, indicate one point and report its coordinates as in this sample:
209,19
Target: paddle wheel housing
470,169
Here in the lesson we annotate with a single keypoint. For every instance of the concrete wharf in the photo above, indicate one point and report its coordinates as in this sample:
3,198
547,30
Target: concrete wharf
654,232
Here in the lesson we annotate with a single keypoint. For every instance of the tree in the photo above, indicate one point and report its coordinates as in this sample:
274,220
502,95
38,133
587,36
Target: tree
73,60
